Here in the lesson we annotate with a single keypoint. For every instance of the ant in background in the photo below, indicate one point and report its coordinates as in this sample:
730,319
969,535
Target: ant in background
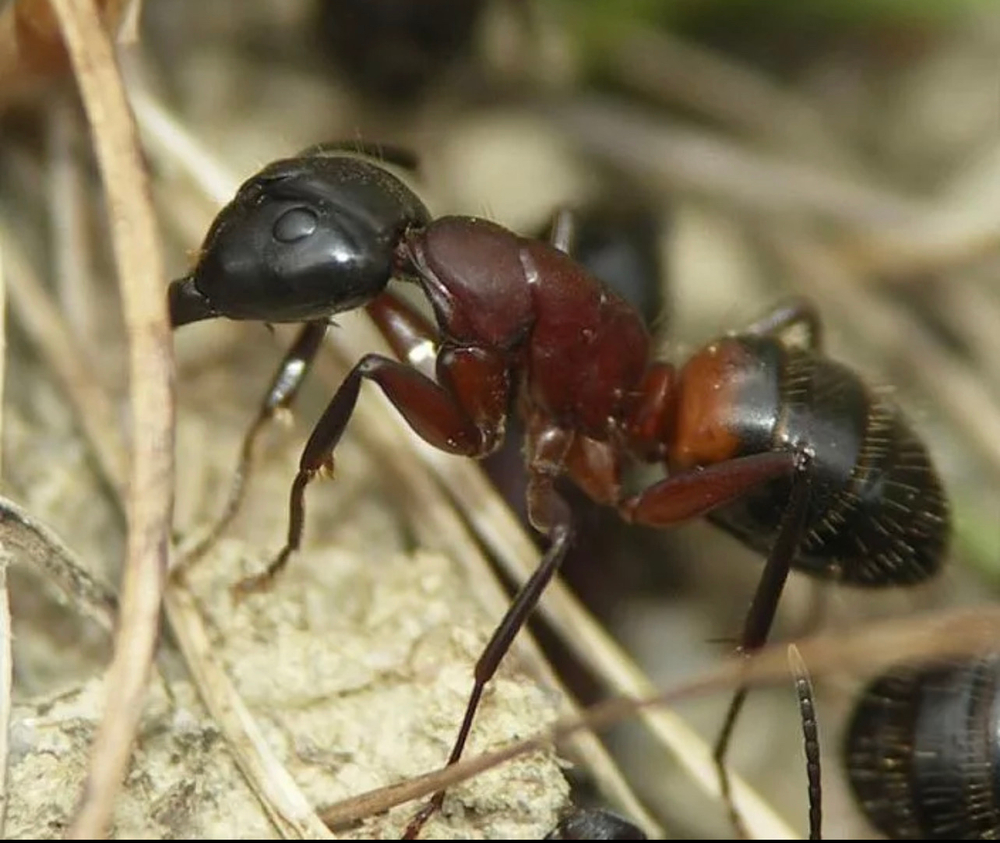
594,824
775,443
393,50
921,750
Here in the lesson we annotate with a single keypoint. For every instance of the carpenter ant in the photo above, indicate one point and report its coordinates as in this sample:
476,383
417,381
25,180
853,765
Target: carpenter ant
783,448
921,750
595,824
392,50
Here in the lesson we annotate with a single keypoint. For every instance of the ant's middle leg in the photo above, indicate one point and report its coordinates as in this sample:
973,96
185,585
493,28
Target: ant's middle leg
281,393
549,513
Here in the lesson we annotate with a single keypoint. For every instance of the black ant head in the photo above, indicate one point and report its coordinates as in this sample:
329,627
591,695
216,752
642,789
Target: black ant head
303,239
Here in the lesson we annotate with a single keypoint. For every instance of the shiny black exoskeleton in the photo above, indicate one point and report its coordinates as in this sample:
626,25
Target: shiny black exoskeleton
877,513
393,50
595,824
304,239
922,751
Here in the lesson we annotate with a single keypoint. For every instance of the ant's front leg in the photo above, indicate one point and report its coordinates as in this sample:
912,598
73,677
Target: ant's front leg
460,414
281,393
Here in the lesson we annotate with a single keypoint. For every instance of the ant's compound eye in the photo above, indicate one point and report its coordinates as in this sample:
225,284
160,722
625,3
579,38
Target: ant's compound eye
295,224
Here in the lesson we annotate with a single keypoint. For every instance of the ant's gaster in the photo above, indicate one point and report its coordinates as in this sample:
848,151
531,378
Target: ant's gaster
921,750
777,444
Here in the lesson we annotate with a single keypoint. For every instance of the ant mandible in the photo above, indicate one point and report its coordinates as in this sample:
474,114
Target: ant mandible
780,446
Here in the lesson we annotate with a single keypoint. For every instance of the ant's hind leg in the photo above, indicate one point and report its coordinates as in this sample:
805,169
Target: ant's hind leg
280,395
761,614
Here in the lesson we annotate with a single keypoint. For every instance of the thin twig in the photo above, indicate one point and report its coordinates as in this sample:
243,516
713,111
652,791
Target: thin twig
722,88
960,392
281,797
70,235
140,273
46,327
6,654
32,543
868,649
6,686
678,157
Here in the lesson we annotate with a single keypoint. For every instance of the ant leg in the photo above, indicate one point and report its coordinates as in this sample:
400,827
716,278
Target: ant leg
452,417
281,393
552,514
793,312
810,733
762,611
695,493
563,233
691,494
412,337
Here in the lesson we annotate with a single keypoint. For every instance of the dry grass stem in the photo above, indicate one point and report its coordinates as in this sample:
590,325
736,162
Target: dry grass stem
78,291
46,327
284,802
140,274
874,648
895,334
6,687
6,655
6,637
682,159
681,72
29,542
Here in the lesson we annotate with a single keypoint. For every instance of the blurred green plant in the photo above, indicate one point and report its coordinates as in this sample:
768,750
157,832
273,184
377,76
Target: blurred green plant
596,23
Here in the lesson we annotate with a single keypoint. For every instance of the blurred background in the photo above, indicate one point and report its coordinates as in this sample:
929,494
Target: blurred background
722,156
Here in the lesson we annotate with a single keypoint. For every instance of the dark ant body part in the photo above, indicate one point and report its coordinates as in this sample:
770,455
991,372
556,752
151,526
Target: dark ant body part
810,736
595,824
393,50
775,443
921,751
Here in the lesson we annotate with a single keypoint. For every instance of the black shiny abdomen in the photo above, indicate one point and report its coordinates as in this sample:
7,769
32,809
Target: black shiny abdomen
921,752
878,515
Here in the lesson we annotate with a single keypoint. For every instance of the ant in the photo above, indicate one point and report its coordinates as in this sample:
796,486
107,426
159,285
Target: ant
392,51
595,824
775,443
921,750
